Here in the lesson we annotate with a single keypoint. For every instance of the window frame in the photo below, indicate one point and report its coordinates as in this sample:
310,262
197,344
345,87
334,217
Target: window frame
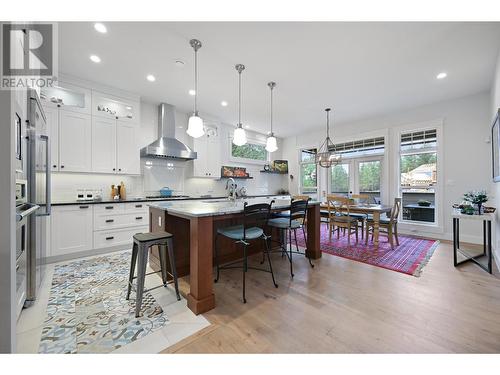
417,226
301,163
250,140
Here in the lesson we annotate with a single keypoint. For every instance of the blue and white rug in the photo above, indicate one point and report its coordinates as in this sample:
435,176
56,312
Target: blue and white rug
87,311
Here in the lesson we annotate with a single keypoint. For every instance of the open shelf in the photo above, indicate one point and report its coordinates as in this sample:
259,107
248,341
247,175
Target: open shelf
238,178
273,172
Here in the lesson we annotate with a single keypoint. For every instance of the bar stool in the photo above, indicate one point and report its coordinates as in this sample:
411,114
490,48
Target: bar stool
140,251
255,217
288,225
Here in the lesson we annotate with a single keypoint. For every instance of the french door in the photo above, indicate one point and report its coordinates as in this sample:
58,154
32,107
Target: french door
357,176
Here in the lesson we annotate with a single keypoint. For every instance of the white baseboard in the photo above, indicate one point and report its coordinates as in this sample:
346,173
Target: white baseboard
86,253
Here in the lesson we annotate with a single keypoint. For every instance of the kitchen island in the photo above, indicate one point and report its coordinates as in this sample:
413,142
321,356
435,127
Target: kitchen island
194,225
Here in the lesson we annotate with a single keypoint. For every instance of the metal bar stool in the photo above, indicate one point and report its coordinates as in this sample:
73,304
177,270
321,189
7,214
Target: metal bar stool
288,225
140,250
254,219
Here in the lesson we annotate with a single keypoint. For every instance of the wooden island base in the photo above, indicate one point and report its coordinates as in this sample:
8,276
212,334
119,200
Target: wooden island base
194,244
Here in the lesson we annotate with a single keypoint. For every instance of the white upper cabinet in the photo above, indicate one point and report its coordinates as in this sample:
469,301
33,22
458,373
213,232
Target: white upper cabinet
75,142
127,150
103,145
208,149
112,107
70,97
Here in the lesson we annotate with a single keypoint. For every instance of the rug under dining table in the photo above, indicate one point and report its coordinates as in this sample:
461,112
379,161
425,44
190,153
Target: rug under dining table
410,257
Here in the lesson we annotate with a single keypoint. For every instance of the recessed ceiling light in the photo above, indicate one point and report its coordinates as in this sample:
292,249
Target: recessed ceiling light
150,78
179,63
247,126
192,92
100,28
223,103
95,58
442,75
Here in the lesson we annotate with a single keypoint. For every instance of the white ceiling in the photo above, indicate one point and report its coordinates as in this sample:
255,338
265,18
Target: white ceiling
359,69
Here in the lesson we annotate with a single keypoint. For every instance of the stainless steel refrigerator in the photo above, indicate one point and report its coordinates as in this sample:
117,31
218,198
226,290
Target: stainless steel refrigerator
38,176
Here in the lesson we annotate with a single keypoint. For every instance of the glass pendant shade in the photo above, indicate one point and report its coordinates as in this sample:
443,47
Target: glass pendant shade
195,126
240,136
271,144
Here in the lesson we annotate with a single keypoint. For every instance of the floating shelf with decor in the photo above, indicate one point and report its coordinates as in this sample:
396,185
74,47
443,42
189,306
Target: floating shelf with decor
273,172
234,172
238,177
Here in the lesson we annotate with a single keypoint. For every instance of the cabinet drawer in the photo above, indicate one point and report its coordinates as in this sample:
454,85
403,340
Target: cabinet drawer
109,208
116,237
136,207
123,220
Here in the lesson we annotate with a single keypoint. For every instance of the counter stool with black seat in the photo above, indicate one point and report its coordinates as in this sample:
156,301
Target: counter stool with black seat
286,225
255,217
140,251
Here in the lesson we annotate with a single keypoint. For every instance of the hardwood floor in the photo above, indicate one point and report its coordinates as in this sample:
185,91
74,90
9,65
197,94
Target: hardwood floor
343,306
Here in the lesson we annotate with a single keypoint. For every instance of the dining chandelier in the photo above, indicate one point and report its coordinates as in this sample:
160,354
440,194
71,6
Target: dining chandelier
326,156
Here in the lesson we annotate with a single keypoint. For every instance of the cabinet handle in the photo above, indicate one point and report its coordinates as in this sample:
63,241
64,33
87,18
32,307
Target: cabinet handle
109,238
138,205
109,221
109,207
138,218
114,169
62,166
54,166
119,169
84,206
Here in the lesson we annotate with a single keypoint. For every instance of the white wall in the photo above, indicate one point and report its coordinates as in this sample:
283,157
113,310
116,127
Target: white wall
174,174
466,153
495,104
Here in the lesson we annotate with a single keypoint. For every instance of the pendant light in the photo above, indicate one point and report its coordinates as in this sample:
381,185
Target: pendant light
271,144
240,137
195,124
326,156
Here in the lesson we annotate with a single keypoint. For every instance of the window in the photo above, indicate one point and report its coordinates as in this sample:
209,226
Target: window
369,173
340,179
251,151
361,169
418,175
308,171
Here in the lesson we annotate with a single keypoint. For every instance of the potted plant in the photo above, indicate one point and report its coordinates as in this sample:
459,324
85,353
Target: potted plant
477,198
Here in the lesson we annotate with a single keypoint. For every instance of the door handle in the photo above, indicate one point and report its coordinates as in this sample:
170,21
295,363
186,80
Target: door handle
48,192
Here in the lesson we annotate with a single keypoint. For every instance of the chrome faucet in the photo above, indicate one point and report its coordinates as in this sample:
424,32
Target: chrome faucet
231,187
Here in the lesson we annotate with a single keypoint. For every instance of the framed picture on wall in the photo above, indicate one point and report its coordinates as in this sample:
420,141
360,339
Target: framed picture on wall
495,144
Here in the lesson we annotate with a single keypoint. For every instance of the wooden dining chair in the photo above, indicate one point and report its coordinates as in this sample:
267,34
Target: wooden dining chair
388,225
338,217
363,199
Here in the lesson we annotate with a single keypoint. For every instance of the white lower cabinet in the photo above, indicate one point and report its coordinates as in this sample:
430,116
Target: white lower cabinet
85,227
116,237
71,229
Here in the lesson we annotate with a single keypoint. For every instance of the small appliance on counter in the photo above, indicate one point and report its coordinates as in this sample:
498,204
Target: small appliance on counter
165,192
88,195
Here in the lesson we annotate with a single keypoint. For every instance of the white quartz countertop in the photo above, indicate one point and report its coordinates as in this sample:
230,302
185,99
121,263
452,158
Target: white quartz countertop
216,207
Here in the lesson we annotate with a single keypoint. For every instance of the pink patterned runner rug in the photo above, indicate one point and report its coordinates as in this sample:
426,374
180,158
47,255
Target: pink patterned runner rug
410,257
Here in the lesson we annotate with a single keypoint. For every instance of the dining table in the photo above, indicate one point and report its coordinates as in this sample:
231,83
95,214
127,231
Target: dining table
376,210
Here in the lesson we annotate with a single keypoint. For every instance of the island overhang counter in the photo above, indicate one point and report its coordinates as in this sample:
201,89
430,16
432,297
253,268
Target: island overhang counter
194,225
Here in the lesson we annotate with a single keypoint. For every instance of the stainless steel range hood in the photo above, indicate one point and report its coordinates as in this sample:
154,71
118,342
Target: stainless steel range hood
166,146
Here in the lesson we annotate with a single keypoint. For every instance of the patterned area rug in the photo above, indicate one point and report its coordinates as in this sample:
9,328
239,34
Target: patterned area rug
87,310
410,257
